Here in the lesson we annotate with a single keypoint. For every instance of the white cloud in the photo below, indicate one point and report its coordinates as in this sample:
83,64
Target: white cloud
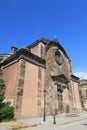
81,75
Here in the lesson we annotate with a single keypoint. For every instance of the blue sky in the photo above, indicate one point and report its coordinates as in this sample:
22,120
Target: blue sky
24,21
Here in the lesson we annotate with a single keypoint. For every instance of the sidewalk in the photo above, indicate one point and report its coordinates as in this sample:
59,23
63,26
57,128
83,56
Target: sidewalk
37,123
60,119
12,125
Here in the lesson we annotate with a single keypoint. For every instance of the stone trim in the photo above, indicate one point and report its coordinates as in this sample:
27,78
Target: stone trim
26,55
13,62
39,90
19,87
60,78
33,61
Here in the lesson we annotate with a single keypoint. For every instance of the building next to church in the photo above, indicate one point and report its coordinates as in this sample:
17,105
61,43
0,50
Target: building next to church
42,65
83,93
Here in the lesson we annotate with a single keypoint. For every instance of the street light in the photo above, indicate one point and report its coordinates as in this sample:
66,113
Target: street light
44,115
54,119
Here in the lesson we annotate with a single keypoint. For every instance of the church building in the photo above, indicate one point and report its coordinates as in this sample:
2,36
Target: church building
39,77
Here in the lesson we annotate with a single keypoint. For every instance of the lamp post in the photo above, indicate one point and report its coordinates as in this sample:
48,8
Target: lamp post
54,118
44,115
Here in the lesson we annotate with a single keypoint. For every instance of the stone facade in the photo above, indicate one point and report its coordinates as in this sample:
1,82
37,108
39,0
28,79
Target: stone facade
43,65
59,81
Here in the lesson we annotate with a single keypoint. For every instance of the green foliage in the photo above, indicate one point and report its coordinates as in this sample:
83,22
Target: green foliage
1,101
6,111
1,98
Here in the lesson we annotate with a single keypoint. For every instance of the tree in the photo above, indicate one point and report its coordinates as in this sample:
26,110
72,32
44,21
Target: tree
6,111
2,89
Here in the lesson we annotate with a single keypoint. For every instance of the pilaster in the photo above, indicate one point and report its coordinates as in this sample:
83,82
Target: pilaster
19,87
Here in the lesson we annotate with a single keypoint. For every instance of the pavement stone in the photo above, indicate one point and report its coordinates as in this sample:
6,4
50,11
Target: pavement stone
4,127
37,123
60,120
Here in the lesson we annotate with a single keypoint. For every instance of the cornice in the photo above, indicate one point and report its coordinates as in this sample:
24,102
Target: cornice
75,78
24,54
61,78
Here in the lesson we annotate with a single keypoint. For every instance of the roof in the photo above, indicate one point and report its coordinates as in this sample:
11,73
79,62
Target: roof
25,51
43,40
48,43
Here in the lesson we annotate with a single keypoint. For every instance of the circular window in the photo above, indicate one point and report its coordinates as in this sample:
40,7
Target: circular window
58,57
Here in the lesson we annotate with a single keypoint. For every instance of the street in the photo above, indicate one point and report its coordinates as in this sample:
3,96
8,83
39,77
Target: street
78,125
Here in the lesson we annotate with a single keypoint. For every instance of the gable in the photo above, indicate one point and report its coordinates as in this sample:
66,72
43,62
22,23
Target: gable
55,43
